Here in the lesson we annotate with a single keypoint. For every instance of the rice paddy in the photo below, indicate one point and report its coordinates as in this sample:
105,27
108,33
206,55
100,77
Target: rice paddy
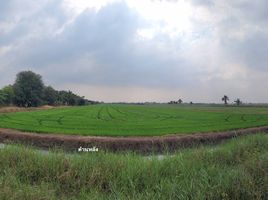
136,120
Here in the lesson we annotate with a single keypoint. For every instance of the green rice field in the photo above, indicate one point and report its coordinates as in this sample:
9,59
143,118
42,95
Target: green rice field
136,120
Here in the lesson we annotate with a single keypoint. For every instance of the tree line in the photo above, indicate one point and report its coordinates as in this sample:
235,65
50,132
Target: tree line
29,90
225,99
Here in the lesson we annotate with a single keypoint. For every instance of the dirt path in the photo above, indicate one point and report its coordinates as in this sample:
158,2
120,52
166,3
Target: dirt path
145,145
10,109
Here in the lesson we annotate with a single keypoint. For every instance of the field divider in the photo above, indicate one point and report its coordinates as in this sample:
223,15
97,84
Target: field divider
144,145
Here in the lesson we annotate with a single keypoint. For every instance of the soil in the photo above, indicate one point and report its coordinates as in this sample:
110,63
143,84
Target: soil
144,145
9,109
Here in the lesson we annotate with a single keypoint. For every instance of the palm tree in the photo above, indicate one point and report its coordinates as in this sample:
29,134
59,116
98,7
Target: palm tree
225,98
238,101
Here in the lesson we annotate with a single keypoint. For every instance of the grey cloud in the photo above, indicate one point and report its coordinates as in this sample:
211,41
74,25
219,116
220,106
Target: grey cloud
202,2
5,7
241,29
90,32
255,11
30,20
102,48
252,51
249,19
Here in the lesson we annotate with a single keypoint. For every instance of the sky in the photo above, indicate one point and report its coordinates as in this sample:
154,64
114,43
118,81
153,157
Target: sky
139,50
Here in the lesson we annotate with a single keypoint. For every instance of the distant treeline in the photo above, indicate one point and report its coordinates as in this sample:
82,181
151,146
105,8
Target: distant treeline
30,91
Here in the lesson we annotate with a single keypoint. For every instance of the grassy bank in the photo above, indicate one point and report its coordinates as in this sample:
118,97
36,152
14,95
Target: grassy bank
138,120
236,169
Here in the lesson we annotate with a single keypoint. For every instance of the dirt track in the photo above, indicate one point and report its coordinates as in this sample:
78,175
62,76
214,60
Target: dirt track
9,109
138,144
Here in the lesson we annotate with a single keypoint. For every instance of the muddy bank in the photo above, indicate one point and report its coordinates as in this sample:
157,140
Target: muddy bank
157,144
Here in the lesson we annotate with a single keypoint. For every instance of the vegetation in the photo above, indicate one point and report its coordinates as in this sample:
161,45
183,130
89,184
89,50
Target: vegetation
128,120
7,94
234,170
2,97
238,102
176,102
225,98
30,91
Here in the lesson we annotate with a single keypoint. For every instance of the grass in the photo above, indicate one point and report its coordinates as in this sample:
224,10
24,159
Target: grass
234,170
139,120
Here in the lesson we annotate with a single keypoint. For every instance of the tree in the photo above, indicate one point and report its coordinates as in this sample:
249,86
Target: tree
2,97
50,96
179,101
8,92
81,101
238,101
225,98
71,98
62,98
28,89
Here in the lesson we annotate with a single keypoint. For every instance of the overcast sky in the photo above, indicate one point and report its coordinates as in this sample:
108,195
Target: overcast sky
197,50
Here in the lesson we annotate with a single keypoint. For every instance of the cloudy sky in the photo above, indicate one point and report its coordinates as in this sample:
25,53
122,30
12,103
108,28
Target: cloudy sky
139,50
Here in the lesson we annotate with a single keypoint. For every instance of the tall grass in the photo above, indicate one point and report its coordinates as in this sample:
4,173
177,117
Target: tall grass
233,170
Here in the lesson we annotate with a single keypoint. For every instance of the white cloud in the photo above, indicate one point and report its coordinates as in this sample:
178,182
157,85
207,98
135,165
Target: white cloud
78,6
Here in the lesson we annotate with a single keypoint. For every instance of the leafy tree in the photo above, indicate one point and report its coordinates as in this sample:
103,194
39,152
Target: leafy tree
180,101
63,98
2,97
8,92
68,98
50,96
81,101
28,89
72,98
225,98
238,101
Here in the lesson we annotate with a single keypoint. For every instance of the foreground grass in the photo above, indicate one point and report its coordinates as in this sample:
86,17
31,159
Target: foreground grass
140,120
234,170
